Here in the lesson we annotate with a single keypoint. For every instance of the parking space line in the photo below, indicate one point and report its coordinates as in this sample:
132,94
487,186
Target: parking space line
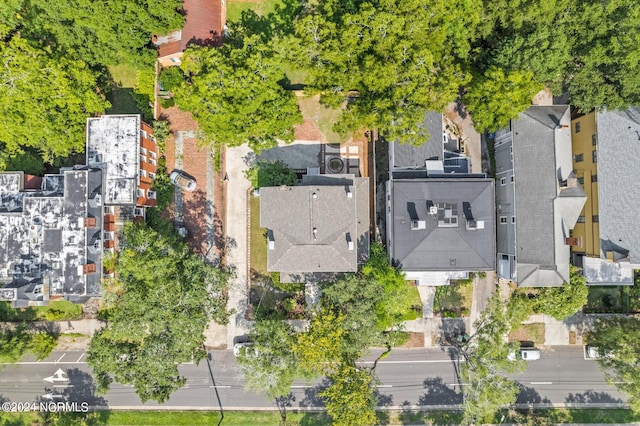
80,357
59,359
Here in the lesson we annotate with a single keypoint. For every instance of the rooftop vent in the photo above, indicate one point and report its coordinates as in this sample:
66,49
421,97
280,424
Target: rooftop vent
315,233
433,210
349,241
418,224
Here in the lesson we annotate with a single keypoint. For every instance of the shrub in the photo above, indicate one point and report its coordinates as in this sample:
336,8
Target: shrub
170,78
42,343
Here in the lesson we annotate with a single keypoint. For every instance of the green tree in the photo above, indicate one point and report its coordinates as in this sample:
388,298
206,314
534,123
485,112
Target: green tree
618,341
270,173
99,33
350,399
394,298
605,70
42,344
495,97
14,343
28,161
320,348
486,388
157,307
562,302
391,59
44,101
275,366
235,94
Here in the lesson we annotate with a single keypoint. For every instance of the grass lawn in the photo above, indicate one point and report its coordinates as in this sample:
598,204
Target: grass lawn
324,117
455,297
258,248
161,418
260,7
57,310
416,302
172,418
125,78
529,332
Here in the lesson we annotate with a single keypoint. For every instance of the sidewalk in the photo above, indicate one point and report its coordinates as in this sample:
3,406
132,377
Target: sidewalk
85,326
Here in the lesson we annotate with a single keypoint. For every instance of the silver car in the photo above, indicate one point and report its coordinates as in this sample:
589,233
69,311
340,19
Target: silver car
182,181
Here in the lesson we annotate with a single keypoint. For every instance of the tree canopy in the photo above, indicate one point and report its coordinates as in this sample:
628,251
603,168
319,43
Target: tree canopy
618,341
235,93
393,59
44,101
157,307
96,32
276,365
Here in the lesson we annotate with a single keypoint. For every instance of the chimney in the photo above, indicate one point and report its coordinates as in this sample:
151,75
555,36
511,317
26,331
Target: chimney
573,241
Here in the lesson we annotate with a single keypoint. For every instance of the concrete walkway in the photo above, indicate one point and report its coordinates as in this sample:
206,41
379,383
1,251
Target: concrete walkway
237,187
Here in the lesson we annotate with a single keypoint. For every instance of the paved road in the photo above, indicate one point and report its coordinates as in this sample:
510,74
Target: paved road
417,377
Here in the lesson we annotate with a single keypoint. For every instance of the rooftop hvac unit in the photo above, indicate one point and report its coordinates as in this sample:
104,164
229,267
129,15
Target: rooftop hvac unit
418,224
433,210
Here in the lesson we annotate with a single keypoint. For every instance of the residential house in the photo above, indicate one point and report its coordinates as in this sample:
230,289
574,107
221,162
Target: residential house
607,235
440,218
319,226
53,237
538,197
203,26
439,154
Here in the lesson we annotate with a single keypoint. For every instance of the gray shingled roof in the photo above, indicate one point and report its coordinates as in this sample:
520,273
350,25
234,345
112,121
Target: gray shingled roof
544,215
291,213
437,248
618,177
409,156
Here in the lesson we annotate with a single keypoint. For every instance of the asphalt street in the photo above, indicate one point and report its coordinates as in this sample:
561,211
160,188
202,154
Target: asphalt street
413,377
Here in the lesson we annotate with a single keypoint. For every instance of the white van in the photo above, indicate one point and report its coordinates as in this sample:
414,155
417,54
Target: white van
528,354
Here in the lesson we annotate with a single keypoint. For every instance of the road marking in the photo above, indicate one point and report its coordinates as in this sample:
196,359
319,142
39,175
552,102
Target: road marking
300,387
384,386
419,361
61,357
458,384
221,387
80,357
541,383
622,383
58,376
62,386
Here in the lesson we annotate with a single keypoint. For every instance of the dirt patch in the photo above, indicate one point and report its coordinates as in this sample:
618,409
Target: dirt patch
70,342
416,340
572,337
529,333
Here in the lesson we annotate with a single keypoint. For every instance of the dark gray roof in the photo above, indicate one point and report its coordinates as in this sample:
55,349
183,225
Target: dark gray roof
437,247
410,156
618,177
544,215
292,213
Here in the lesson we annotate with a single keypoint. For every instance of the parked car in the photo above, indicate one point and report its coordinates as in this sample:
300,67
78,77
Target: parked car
246,349
182,181
595,352
528,354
